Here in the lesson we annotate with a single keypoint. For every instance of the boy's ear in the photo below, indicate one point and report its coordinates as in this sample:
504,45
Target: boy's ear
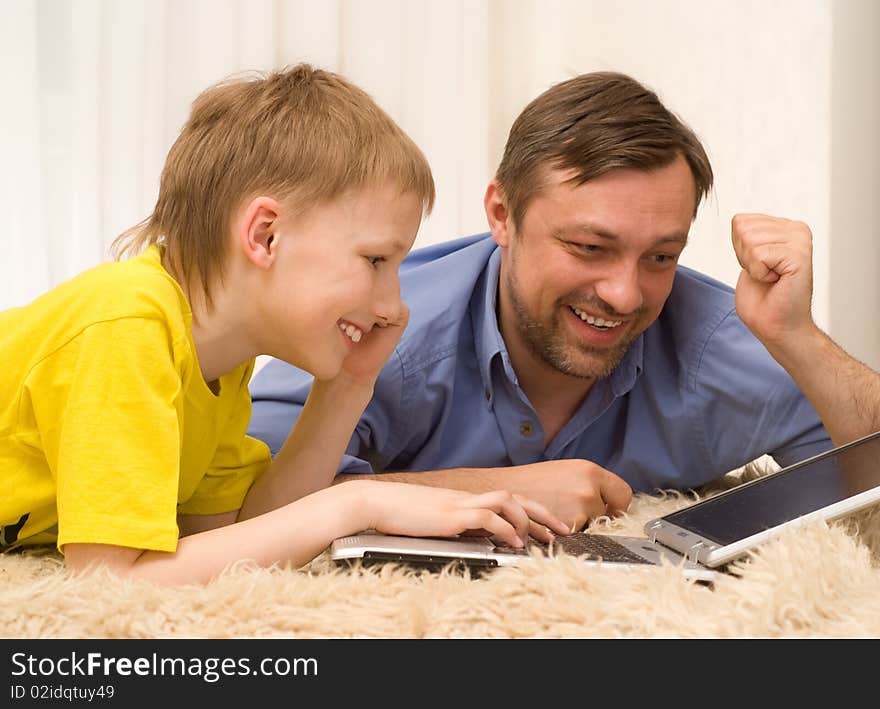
257,230
497,213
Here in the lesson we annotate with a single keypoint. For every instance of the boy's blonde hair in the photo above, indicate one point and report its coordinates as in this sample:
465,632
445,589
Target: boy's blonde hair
301,135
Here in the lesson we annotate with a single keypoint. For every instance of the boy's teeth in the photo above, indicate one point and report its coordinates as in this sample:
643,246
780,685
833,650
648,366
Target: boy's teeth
598,322
354,333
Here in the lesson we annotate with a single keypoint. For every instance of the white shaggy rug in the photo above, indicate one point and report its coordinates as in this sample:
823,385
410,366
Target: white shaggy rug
818,582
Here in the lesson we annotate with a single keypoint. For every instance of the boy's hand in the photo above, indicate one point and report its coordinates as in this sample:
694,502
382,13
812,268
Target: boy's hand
775,287
416,510
366,360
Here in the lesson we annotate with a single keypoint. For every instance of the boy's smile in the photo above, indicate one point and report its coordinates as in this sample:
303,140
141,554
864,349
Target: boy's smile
352,333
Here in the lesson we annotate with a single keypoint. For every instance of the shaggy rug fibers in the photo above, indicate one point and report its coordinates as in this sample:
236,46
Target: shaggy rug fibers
818,582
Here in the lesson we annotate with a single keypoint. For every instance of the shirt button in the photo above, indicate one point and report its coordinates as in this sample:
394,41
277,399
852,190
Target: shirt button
525,428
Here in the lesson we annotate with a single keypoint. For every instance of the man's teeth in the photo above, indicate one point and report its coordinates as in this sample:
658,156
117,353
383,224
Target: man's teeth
596,322
354,333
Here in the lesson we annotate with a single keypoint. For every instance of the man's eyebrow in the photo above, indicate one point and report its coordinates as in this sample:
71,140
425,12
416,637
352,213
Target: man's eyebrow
589,230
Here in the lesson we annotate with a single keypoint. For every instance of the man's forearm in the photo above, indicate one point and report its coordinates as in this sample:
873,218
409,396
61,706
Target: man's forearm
468,479
844,392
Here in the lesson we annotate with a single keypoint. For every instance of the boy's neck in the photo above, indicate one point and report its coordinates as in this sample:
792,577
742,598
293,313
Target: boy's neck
221,336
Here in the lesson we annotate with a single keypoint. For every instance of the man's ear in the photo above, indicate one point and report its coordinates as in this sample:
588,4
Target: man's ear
257,230
495,204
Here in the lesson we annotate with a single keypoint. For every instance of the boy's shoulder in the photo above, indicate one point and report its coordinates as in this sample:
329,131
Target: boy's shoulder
137,287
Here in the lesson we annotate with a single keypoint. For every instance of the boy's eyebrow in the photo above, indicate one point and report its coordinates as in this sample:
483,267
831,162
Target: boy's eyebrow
588,229
381,244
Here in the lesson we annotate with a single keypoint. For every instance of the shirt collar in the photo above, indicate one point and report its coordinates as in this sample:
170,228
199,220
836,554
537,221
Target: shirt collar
488,342
625,374
487,335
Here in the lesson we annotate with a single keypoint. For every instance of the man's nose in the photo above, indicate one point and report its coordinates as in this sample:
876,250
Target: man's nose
620,289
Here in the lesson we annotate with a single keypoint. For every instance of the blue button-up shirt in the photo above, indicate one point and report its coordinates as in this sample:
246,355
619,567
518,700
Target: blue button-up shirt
695,396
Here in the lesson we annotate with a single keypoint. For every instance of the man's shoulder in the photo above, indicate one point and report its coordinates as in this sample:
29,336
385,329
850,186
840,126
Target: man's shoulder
699,330
454,258
699,308
697,305
697,291
437,283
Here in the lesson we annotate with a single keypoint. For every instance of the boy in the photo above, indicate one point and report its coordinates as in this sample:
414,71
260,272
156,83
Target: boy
285,207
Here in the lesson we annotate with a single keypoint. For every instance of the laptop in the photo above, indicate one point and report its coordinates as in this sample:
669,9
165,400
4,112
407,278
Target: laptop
700,539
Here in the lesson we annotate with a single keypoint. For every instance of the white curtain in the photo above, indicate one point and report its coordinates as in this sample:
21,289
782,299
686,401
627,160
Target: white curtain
100,88
95,92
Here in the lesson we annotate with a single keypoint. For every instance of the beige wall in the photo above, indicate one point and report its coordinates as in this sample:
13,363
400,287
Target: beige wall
854,246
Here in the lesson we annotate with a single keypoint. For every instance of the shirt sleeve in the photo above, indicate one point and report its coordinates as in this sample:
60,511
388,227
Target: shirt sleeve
106,407
758,409
239,460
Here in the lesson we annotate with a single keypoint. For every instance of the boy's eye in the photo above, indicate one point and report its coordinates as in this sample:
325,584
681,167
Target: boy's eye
375,260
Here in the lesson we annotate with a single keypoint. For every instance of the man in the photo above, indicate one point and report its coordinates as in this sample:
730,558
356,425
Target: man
568,344
773,298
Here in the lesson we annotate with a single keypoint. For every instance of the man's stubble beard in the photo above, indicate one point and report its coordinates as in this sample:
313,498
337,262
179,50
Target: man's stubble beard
547,341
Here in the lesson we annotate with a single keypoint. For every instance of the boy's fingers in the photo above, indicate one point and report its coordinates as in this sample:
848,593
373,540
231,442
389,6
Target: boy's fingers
495,525
503,503
541,533
542,515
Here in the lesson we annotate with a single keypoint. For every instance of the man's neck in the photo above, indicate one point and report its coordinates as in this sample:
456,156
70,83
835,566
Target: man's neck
555,396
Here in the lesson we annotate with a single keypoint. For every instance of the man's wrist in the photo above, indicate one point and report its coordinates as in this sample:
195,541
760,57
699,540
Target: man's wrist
800,345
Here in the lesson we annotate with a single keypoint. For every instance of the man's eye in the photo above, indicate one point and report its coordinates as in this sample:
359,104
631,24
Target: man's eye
664,258
375,260
590,248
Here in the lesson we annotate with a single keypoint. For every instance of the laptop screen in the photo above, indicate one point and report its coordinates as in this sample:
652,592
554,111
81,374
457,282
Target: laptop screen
792,492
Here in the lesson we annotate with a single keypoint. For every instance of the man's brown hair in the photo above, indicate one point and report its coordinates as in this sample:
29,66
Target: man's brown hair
301,135
591,124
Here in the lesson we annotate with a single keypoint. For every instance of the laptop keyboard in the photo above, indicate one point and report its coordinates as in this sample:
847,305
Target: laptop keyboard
594,546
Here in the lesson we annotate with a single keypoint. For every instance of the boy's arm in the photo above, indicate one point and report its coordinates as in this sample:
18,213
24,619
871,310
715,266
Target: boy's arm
310,457
575,490
773,297
296,533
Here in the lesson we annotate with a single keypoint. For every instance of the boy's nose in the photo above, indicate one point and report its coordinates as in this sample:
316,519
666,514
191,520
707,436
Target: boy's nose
388,305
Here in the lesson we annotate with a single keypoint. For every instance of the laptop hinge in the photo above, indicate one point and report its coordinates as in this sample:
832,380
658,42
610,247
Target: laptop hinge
653,529
693,553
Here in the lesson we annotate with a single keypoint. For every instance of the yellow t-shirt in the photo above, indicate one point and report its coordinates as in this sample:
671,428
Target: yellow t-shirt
107,428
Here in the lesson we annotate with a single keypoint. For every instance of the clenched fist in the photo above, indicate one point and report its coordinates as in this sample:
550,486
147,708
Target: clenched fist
775,288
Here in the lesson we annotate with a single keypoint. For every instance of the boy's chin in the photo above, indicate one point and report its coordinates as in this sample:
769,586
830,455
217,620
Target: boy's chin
323,371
